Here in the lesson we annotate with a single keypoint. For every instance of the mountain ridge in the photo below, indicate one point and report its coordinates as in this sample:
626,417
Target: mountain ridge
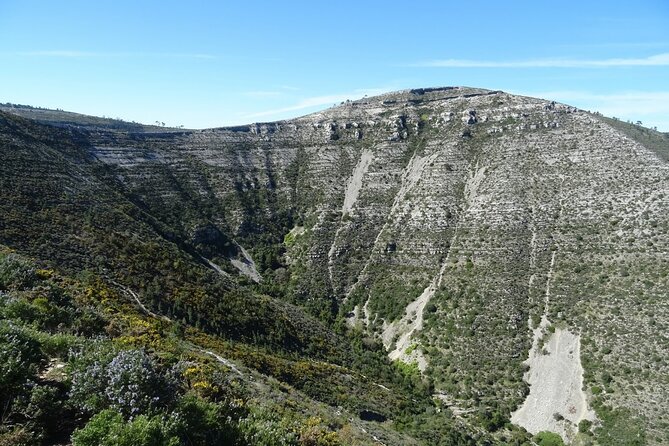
432,221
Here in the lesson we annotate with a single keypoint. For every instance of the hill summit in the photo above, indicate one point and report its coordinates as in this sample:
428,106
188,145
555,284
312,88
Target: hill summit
427,266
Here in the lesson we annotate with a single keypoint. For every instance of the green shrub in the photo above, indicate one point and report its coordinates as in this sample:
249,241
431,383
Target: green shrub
267,428
546,438
206,423
619,427
15,272
584,426
492,420
108,428
17,436
20,358
44,406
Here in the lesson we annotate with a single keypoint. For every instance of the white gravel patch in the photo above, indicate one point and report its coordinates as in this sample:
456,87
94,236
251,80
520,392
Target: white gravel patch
556,402
355,184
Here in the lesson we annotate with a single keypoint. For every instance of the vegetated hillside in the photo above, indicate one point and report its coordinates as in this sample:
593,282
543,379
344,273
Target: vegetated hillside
654,140
145,288
61,118
444,224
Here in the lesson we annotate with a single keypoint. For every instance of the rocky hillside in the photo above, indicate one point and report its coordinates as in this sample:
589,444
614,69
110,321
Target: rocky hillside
477,236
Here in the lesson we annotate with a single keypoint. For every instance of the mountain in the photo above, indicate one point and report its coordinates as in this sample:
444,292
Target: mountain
466,264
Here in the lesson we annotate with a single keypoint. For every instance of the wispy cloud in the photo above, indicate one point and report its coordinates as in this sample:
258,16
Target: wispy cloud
616,45
93,54
263,93
655,60
315,101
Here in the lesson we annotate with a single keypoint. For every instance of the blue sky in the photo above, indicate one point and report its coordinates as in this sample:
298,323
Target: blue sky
206,63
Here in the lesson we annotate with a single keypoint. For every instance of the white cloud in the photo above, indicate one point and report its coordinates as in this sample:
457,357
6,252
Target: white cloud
608,45
316,101
655,60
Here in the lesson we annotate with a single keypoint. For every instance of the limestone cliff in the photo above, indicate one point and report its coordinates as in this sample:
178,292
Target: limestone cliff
445,222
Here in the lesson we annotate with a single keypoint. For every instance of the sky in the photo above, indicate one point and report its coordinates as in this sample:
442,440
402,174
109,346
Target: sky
215,63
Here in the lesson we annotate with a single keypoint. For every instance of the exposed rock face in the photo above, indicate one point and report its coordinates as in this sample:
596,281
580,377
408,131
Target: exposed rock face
469,117
442,233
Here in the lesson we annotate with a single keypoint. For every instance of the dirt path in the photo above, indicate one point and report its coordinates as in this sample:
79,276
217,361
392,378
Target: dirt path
223,361
556,401
410,176
135,297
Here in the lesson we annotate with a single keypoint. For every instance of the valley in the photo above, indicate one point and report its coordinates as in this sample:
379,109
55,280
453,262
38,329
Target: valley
475,267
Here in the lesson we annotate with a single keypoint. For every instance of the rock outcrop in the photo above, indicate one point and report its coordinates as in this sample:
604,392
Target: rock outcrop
434,219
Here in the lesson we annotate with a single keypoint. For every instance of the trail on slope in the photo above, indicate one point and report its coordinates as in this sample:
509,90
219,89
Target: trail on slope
222,360
556,402
412,173
135,297
412,321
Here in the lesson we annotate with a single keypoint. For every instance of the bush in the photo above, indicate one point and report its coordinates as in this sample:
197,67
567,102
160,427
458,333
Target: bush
131,383
267,428
205,423
195,422
584,426
134,385
492,420
607,378
108,428
314,433
20,358
619,427
546,438
88,369
44,407
18,436
15,272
